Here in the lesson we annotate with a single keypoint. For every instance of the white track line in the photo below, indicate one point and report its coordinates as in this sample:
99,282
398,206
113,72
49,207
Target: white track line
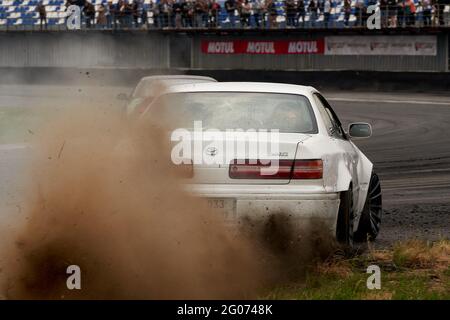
441,103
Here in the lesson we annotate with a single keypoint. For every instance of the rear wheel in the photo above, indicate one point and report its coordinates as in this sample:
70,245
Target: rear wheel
344,228
369,224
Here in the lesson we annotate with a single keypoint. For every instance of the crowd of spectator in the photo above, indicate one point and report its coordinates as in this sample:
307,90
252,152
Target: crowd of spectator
249,13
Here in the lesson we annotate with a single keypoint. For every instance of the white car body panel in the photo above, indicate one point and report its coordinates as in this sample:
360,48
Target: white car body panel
343,165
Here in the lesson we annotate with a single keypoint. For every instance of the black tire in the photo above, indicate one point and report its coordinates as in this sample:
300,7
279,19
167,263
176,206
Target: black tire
369,224
344,228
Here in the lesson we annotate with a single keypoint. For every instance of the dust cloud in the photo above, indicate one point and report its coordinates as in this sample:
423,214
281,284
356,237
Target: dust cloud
105,197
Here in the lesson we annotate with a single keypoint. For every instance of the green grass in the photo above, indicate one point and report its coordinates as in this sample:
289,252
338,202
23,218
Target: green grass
410,271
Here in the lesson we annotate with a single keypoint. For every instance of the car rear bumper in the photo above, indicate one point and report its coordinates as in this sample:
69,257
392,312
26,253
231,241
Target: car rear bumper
253,203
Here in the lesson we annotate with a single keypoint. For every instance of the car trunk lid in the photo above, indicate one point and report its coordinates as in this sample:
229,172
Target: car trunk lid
212,161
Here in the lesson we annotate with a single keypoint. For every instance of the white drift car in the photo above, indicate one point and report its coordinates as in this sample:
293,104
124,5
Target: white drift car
320,173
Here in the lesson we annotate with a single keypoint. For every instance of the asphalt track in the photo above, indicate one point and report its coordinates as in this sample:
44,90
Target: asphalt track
410,148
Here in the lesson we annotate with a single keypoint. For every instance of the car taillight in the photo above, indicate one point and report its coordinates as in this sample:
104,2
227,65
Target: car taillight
307,169
287,169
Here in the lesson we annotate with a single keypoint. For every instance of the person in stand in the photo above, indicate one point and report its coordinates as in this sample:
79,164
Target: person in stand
312,8
400,13
359,12
101,17
177,10
264,14
137,12
291,13
108,16
200,13
272,13
89,13
214,11
384,13
257,8
347,11
144,16
410,13
40,8
392,13
440,5
301,11
165,11
320,7
230,7
118,13
153,12
245,9
186,13
426,12
326,12
126,14
113,14
129,13
172,14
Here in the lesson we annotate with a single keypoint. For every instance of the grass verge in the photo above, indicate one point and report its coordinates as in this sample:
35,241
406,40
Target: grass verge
410,270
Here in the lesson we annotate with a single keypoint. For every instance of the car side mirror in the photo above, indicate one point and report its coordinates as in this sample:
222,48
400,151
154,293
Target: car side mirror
359,130
122,96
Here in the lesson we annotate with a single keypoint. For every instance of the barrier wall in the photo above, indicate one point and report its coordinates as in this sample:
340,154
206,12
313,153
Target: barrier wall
165,50
83,50
401,61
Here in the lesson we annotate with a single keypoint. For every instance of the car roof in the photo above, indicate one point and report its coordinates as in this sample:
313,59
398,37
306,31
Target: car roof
177,76
241,87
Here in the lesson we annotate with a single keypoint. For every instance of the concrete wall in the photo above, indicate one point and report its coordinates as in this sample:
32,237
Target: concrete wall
84,50
164,50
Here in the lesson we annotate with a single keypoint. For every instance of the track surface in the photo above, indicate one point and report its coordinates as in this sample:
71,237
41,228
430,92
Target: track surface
410,148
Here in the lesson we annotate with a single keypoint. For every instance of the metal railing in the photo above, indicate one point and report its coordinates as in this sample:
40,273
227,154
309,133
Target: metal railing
267,16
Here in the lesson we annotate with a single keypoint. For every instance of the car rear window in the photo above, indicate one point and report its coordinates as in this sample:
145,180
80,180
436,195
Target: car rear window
236,110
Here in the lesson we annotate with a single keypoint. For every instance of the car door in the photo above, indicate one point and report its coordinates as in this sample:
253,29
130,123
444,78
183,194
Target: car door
347,153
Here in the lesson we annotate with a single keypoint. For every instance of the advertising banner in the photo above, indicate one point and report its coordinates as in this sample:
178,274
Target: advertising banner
381,45
263,47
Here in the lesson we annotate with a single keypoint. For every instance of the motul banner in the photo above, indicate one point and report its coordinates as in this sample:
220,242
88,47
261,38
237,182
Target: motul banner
263,47
381,45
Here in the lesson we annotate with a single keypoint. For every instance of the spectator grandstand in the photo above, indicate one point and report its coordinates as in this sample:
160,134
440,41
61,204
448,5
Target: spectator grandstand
177,14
